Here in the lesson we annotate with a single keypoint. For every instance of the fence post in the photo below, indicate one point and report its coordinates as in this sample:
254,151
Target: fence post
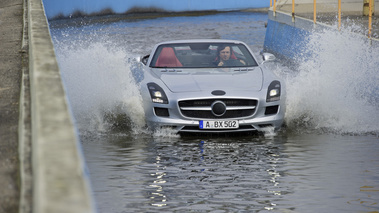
274,7
314,12
293,10
370,17
339,14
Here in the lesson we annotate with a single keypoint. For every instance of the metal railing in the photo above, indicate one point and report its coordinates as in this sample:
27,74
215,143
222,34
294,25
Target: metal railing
369,4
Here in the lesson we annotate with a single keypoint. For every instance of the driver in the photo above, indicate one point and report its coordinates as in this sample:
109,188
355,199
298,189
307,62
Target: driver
226,57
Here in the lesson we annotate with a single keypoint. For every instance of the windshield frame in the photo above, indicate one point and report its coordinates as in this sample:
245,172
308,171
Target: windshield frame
202,55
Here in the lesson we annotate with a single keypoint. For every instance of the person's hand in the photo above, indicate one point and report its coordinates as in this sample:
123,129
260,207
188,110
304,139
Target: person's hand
220,64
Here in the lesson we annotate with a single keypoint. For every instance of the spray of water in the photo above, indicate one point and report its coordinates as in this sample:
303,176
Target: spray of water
101,90
334,89
336,86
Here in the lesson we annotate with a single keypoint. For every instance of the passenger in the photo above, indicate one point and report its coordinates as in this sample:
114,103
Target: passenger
226,57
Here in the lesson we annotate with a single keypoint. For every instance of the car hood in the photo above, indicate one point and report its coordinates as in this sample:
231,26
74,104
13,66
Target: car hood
195,82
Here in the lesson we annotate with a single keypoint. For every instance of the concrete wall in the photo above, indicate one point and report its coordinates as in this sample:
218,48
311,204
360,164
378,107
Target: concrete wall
284,37
67,7
60,183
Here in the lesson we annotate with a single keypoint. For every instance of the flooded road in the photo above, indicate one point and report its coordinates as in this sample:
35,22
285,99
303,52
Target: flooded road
298,173
326,158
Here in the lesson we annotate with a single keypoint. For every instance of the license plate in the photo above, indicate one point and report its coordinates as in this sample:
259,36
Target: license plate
218,124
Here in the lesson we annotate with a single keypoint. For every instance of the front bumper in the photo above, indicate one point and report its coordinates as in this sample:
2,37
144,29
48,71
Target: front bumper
173,118
192,126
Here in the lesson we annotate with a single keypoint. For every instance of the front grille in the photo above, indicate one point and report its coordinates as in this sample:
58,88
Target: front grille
235,108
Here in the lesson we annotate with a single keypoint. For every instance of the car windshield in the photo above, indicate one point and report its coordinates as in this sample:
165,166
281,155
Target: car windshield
202,55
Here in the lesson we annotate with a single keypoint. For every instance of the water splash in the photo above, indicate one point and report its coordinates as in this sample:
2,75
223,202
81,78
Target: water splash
336,88
100,87
269,132
165,133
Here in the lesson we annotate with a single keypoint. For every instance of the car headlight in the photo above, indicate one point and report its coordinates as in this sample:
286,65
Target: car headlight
157,94
273,92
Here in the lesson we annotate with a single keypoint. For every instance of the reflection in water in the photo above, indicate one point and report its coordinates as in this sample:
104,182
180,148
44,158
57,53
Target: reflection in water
179,174
157,198
240,174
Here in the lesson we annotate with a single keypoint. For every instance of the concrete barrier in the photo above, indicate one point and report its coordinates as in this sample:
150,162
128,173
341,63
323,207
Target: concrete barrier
284,37
60,183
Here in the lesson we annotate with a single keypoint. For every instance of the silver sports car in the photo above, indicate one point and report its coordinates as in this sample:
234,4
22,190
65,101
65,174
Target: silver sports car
210,86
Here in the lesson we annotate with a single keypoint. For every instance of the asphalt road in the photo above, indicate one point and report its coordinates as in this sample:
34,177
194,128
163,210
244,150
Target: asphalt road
11,25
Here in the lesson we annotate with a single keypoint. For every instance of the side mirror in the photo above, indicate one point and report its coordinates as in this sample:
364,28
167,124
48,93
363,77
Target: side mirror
268,57
144,59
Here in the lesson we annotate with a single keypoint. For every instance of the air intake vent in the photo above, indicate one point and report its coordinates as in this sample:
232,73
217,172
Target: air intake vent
162,112
271,110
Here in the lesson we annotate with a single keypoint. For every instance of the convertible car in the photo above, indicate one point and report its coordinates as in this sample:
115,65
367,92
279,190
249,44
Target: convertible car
210,86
